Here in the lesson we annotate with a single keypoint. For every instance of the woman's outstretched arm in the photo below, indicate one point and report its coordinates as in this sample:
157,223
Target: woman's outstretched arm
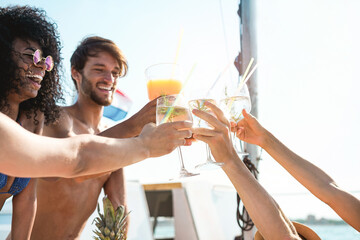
24,154
310,176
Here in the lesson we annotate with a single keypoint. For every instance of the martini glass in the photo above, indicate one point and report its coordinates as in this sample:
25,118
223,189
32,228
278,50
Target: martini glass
172,108
198,104
232,106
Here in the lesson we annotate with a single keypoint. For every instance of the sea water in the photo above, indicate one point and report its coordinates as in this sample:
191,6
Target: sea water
326,232
336,232
5,225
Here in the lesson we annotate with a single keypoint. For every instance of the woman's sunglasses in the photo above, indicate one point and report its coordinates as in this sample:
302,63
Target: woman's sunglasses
37,59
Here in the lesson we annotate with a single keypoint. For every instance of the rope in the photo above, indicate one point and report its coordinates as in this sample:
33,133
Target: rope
242,216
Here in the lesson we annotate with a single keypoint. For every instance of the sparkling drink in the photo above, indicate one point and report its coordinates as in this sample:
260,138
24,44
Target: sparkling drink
172,108
233,107
199,105
166,114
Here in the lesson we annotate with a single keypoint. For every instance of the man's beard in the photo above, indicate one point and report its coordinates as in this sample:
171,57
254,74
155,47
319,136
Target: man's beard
88,90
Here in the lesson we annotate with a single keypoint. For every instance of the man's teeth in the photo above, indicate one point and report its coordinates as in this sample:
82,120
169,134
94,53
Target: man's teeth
105,88
36,78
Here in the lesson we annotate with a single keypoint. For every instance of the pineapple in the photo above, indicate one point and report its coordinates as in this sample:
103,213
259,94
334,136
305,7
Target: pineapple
111,225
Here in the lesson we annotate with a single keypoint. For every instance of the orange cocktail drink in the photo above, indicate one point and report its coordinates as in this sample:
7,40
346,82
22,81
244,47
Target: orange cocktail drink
159,87
163,79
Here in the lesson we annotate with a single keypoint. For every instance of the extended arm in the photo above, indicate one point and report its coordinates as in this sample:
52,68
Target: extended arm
24,208
264,211
310,176
25,154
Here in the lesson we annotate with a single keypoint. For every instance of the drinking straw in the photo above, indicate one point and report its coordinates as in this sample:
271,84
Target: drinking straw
177,51
225,69
179,44
245,78
170,110
247,69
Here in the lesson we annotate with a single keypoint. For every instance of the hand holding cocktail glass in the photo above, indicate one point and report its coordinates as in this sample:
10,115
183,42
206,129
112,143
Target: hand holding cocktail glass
199,104
173,108
236,101
233,105
218,137
161,140
165,81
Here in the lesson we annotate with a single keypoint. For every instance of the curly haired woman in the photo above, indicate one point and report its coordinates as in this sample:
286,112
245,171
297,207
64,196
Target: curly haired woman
29,89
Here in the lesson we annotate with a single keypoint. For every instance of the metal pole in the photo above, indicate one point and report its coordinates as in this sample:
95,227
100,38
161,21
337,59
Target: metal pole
248,46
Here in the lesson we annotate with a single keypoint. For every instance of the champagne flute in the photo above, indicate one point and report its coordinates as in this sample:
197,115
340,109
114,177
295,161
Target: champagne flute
198,122
233,105
173,108
163,79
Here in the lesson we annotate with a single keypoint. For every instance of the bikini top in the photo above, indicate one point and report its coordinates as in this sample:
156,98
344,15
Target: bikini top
18,185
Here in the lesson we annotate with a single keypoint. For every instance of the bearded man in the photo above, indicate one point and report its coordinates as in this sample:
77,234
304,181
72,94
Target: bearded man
65,205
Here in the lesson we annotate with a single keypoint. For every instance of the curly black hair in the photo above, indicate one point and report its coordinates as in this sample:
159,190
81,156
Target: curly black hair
30,24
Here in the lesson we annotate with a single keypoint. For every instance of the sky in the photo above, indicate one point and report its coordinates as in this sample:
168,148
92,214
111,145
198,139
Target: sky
308,55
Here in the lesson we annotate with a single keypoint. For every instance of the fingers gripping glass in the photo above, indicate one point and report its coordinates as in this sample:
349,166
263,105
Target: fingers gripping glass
233,105
173,108
38,59
199,104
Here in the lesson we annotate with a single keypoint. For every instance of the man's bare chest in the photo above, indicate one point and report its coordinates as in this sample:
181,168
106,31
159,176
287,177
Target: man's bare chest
70,193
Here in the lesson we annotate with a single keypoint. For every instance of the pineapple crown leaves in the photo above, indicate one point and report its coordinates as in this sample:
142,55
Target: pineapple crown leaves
121,217
111,224
109,213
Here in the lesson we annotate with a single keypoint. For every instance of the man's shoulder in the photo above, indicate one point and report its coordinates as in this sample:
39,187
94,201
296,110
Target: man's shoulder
62,127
